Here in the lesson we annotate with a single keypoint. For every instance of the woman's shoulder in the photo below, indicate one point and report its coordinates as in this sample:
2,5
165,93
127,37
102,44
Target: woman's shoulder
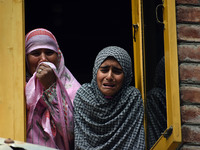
84,94
133,93
85,86
133,90
85,89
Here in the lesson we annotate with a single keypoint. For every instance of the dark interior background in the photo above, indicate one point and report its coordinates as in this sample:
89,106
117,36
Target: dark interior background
82,29
153,36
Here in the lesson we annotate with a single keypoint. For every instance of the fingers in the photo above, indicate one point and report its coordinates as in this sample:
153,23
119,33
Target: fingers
39,70
43,68
46,75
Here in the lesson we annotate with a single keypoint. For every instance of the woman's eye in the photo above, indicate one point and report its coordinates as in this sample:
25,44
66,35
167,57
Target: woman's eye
117,71
104,70
35,53
49,53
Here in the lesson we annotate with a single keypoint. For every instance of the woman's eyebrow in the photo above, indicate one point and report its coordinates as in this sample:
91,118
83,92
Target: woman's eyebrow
107,66
33,52
116,68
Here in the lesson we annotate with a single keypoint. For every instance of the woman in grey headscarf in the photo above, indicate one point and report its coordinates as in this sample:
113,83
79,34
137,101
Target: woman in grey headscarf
108,111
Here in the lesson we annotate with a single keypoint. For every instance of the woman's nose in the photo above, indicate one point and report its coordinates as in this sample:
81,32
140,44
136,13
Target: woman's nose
109,75
43,57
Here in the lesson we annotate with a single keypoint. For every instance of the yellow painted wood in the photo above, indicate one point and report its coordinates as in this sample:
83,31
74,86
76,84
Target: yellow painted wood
165,144
138,46
12,70
138,50
171,69
172,76
172,79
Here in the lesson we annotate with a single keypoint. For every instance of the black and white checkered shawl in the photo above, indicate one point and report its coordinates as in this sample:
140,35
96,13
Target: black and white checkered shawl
115,123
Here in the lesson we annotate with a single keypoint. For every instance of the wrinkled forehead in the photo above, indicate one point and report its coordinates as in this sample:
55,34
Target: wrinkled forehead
111,58
119,56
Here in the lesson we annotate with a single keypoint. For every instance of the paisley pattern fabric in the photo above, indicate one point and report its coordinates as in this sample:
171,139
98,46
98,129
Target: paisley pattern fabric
109,123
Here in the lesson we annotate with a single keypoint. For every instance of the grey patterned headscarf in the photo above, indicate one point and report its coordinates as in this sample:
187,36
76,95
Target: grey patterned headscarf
121,56
115,123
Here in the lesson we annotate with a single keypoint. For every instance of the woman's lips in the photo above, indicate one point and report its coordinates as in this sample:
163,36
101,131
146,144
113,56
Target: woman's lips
108,85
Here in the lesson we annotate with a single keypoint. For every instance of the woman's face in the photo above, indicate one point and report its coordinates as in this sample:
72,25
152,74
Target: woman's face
35,57
110,77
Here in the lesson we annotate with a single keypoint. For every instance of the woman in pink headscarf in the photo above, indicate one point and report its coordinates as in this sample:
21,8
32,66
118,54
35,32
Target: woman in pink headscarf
50,91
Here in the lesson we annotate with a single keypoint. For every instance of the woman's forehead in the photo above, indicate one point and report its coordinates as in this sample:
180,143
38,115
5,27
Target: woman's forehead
43,49
111,61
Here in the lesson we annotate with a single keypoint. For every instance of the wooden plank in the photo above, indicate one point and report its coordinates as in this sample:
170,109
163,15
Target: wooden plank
12,70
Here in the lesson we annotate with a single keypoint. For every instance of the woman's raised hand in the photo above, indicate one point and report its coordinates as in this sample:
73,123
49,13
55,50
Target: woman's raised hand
46,76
